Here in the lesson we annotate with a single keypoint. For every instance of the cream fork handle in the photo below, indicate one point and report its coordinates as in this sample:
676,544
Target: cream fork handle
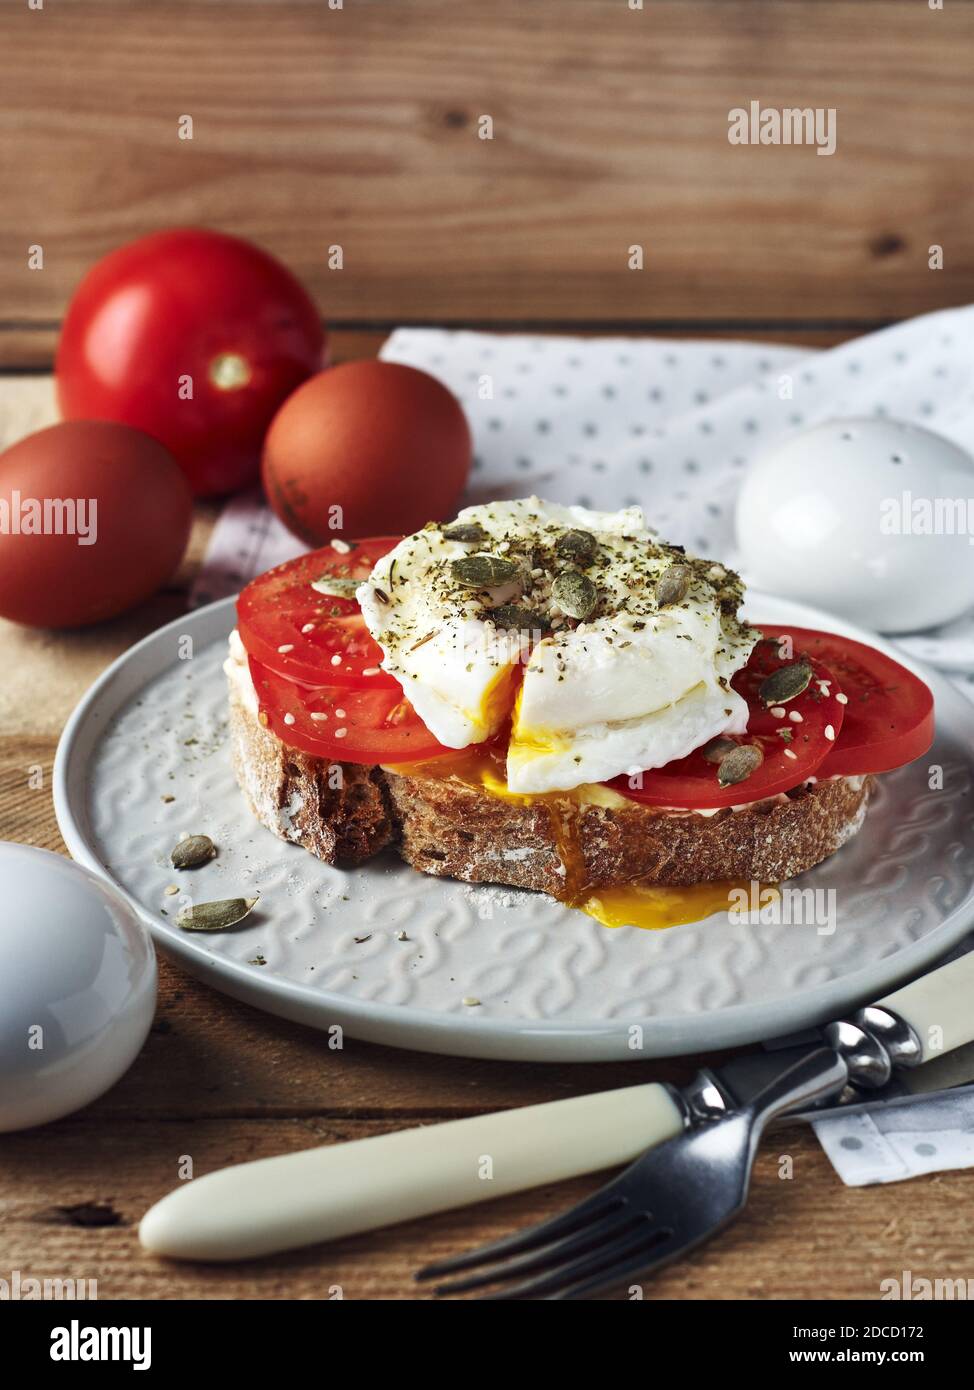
939,1007
320,1194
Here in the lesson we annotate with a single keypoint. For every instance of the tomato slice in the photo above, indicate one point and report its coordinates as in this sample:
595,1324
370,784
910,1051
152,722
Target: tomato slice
310,637
889,719
795,737
351,724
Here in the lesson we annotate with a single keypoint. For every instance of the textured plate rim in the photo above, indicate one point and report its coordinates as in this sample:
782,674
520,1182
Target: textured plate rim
425,1030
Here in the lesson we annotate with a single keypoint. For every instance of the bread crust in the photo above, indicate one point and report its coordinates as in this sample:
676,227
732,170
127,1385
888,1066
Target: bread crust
340,812
344,813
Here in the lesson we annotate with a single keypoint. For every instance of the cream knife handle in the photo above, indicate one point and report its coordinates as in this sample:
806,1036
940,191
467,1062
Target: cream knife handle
939,1007
323,1193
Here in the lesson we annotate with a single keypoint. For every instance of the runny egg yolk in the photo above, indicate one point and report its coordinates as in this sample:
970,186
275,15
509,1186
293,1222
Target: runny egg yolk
528,743
650,907
655,907
496,700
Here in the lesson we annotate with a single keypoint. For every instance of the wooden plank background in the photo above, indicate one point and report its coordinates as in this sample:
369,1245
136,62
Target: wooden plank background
358,127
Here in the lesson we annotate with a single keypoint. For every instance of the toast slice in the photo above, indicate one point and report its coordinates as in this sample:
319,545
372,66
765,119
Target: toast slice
564,845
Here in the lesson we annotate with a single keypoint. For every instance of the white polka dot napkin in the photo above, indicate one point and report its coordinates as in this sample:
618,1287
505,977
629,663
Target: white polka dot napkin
667,424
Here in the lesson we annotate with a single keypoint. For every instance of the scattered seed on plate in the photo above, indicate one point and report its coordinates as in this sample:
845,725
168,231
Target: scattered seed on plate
171,888
470,1002
401,936
216,916
191,851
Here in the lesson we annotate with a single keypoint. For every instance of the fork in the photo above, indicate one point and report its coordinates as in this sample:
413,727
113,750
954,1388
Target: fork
642,1219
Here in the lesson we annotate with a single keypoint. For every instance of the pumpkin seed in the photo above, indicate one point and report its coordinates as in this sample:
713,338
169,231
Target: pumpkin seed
483,571
579,546
717,749
785,683
192,851
216,916
739,764
513,616
466,531
673,585
335,587
575,594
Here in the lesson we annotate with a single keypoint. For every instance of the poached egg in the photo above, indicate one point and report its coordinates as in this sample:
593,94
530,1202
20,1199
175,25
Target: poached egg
608,650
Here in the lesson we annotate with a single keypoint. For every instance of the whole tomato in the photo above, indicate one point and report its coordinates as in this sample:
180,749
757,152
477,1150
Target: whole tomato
194,337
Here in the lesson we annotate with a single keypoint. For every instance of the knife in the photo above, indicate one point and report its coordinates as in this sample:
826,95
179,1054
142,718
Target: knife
282,1203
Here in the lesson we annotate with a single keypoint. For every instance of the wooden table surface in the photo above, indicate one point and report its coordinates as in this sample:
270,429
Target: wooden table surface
223,1083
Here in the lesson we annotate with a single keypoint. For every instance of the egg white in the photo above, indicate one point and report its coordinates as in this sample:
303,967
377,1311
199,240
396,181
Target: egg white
618,694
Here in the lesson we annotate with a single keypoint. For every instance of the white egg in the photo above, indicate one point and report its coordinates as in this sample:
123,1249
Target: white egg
77,986
871,519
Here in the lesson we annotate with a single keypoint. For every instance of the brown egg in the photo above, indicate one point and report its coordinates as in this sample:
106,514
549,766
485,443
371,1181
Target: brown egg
365,449
94,517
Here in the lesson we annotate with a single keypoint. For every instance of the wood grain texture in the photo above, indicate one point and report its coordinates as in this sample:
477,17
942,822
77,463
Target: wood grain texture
359,127
71,1206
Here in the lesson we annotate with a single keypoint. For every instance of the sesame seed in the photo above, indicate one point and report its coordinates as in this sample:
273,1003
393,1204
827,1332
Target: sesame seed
319,716
842,699
339,714
308,627
371,671
829,732
470,1001
289,719
340,733
778,711
342,547
795,717
790,754
336,660
287,647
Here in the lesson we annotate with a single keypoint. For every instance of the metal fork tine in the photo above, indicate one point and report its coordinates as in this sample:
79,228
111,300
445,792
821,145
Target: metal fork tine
581,1269
600,1204
552,1254
645,1262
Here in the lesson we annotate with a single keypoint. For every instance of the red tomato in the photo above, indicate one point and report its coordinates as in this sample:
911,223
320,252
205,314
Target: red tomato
94,517
378,446
307,636
343,723
889,719
793,749
194,337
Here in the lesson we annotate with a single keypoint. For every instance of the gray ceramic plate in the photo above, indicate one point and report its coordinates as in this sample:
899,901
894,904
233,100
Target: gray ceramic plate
145,757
